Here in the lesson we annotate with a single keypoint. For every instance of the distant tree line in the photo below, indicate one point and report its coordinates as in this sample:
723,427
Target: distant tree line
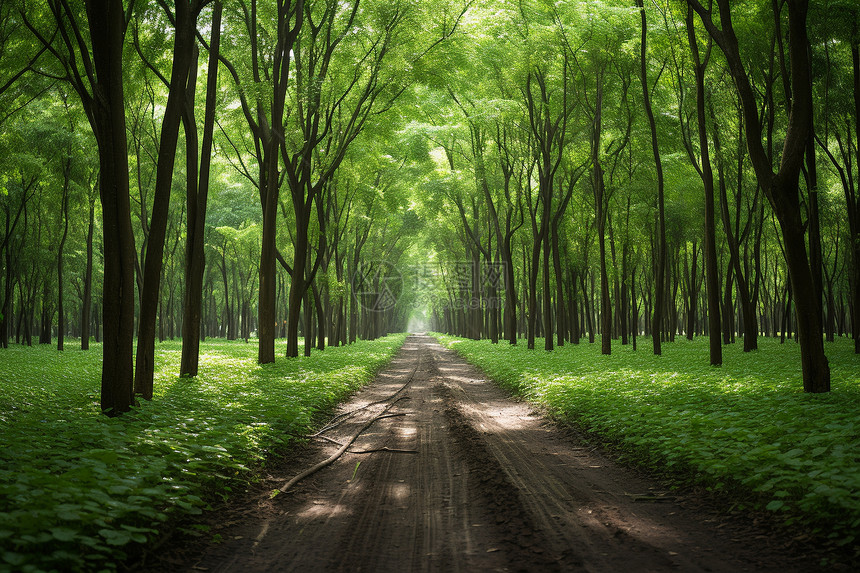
662,169
96,95
562,171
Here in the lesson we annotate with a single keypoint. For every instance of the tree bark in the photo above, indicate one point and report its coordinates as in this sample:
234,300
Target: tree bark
707,175
781,187
660,267
854,205
183,48
733,238
87,303
600,206
197,198
61,316
107,115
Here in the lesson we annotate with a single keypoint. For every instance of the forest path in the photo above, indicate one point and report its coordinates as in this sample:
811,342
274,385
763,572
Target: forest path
478,482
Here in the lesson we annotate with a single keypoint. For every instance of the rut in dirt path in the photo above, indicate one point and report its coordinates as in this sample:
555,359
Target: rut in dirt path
459,477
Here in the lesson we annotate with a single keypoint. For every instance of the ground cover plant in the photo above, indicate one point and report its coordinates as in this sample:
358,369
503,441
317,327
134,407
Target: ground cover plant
77,488
746,428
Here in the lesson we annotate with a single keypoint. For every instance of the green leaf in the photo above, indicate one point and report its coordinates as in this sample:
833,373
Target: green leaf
115,537
63,533
13,558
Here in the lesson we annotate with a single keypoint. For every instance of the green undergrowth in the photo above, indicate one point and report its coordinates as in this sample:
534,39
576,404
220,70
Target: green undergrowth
79,490
745,429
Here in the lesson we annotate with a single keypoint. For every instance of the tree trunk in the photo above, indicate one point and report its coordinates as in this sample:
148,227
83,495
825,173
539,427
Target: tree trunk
624,295
733,237
46,315
197,200
61,316
559,285
532,294
575,330
816,371
510,316
87,302
601,216
854,208
107,26
693,282
297,287
814,225
660,266
308,315
266,302
605,303
707,174
549,327
782,187
634,311
475,318
321,320
8,294
588,306
267,124
183,50
728,323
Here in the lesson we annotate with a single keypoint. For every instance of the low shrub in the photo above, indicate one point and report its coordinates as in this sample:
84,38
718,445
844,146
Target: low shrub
746,426
78,488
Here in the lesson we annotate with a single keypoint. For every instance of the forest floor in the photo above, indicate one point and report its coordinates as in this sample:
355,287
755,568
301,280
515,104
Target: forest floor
454,475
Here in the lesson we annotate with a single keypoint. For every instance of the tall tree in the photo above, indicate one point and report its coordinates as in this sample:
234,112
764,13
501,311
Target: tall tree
184,20
547,121
514,219
706,172
87,294
660,263
341,77
781,186
94,69
197,196
840,116
735,235
263,108
66,166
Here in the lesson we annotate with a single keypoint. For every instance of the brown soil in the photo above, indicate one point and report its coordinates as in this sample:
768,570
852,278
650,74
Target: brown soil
470,481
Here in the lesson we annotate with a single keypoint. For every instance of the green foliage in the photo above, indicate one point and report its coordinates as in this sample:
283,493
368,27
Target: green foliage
77,488
746,428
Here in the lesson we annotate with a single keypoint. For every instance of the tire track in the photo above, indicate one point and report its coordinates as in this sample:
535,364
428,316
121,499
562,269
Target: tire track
493,487
523,541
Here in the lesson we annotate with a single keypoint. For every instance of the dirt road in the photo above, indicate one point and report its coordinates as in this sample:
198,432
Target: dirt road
462,478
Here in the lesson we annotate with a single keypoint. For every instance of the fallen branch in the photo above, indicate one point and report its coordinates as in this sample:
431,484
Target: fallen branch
336,455
383,414
326,438
384,449
341,418
650,497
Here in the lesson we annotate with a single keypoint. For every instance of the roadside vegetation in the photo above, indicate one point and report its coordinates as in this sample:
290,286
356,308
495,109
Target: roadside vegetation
78,489
746,429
